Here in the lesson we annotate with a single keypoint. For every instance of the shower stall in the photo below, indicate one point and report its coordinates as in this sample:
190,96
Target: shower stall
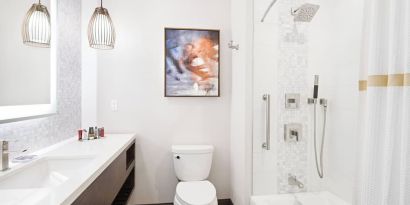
304,136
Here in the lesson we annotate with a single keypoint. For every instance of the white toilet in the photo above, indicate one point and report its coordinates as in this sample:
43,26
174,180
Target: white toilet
192,164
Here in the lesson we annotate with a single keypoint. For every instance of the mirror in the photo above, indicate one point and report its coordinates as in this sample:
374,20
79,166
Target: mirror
27,73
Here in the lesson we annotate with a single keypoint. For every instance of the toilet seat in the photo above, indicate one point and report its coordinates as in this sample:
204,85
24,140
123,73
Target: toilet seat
195,193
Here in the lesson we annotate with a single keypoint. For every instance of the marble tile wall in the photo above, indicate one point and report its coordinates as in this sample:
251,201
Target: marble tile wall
292,157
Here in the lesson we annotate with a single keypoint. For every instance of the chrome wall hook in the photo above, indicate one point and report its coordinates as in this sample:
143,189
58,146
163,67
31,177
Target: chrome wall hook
233,46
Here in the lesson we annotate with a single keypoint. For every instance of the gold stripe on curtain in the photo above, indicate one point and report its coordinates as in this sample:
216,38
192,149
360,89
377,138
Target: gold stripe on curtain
397,80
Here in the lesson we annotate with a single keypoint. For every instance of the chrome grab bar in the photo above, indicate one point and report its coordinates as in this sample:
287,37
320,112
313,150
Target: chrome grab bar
266,98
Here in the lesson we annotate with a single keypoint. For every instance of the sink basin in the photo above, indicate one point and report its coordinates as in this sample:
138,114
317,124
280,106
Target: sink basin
45,173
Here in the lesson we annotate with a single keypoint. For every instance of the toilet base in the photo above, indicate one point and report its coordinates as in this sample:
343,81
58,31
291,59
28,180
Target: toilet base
177,202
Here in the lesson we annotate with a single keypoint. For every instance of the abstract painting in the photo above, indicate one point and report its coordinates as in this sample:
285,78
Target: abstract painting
191,63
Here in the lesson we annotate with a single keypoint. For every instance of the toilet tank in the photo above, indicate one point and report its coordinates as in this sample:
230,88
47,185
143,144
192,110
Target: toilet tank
192,162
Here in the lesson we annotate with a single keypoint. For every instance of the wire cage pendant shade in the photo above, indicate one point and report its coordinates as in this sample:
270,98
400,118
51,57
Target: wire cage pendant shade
36,29
101,31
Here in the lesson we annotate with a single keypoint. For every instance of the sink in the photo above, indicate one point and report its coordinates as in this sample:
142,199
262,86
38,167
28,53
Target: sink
47,172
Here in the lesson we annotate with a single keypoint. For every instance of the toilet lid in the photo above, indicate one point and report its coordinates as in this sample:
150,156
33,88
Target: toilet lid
196,192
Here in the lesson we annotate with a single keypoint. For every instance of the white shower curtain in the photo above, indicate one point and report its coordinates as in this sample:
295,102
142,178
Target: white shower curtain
384,164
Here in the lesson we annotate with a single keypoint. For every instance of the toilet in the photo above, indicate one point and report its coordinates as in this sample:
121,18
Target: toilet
192,164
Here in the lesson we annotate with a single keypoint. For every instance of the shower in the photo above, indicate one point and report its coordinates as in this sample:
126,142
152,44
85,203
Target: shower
304,13
323,102
310,129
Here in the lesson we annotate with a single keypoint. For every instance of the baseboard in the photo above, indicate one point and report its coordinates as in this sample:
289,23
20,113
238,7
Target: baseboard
158,204
220,202
225,202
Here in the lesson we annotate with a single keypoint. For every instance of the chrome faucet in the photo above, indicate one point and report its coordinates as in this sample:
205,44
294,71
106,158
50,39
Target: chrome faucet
4,158
4,155
292,180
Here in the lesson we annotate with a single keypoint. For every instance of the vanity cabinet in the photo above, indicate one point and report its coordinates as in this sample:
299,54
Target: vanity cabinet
115,184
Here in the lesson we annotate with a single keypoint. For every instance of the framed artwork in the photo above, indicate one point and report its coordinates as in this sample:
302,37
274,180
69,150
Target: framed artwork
191,62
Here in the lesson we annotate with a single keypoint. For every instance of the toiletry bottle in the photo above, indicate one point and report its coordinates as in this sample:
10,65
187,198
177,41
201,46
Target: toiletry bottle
80,135
101,132
85,134
96,132
91,133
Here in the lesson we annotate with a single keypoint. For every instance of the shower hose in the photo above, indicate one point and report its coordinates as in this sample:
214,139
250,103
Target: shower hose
319,165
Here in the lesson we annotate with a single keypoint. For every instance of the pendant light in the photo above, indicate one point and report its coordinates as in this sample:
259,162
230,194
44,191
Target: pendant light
36,29
101,32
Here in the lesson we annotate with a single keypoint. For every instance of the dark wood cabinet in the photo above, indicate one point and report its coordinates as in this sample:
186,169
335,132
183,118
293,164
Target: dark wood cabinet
115,183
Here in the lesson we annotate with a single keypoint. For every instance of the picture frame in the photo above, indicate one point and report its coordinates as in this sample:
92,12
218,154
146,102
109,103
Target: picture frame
191,62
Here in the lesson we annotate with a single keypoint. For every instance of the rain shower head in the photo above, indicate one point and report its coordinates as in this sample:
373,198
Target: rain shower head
305,13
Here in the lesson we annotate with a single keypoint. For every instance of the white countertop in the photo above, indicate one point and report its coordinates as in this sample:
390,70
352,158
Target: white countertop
102,153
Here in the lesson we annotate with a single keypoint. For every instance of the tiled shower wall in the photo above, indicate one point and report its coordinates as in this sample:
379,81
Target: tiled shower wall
292,157
286,58
280,67
38,133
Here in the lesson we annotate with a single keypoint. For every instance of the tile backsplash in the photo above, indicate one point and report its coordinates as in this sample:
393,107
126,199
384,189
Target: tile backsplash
38,133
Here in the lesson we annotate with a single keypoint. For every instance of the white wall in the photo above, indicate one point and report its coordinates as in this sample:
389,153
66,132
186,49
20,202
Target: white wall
89,71
133,74
241,103
334,54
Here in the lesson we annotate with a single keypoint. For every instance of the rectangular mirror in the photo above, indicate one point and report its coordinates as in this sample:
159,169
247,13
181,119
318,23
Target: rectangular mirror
27,73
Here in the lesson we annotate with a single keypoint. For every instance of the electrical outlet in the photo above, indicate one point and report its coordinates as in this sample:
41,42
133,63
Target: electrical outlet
114,105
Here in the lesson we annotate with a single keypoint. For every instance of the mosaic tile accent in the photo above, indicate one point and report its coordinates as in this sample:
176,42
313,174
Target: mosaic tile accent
41,132
292,73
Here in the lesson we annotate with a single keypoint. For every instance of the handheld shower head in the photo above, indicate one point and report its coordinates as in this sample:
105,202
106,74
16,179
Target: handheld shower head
316,87
305,13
